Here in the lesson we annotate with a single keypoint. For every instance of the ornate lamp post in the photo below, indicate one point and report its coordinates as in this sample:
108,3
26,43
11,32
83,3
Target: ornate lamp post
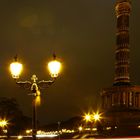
34,85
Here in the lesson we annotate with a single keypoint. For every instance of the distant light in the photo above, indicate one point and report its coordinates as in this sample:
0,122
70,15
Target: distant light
80,128
20,137
94,129
5,131
87,129
64,130
28,131
96,116
87,117
3,123
46,135
108,128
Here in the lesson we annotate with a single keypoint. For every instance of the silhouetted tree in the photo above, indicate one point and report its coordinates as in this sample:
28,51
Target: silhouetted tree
10,110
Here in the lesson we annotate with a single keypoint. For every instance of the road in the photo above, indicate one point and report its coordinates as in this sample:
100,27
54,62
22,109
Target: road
46,138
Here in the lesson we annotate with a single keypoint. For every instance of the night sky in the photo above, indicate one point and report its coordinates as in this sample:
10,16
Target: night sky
82,33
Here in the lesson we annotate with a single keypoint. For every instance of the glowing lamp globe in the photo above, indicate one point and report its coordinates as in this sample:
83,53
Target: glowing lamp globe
16,69
54,68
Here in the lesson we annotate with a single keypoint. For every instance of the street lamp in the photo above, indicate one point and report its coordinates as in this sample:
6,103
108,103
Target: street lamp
87,117
3,125
34,85
96,117
80,128
91,118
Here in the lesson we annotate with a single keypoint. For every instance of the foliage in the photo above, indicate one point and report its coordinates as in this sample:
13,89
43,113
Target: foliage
10,110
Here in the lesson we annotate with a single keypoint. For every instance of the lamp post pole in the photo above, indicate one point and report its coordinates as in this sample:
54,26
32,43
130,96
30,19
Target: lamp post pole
35,87
34,119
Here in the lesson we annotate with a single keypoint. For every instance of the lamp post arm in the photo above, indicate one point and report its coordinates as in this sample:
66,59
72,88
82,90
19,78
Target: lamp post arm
24,84
45,84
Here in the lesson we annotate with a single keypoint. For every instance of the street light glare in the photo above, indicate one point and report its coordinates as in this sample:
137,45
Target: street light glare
87,117
16,69
54,68
80,128
96,117
3,123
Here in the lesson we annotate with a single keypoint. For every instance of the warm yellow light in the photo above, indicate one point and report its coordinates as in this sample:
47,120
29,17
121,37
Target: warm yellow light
108,128
16,69
3,123
38,98
28,131
20,137
87,117
5,131
54,68
96,117
80,128
94,129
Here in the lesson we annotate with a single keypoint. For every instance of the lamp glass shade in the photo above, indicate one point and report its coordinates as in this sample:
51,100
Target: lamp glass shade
54,68
16,69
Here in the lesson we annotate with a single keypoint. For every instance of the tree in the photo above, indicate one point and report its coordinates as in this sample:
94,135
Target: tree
10,110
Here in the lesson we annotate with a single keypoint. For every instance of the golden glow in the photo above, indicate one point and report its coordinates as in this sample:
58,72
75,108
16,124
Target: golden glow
88,129
54,68
28,131
5,131
92,117
38,98
20,137
96,116
3,123
94,129
67,131
80,128
87,117
16,69
108,128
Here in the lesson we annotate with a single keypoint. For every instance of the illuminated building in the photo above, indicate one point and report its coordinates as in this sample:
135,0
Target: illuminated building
121,101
